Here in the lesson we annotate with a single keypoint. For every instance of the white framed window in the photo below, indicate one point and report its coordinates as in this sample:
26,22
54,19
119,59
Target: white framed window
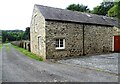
60,43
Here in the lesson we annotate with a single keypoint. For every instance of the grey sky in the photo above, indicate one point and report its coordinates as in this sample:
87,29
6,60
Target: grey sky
16,14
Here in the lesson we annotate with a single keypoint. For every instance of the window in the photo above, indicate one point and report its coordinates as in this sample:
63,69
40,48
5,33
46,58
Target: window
60,43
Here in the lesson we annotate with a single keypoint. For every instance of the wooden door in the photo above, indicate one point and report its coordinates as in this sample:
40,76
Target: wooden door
117,43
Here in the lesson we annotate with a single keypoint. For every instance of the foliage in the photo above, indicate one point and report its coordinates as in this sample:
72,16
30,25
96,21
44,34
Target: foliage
106,8
115,10
78,7
26,35
15,35
0,38
103,8
27,53
12,35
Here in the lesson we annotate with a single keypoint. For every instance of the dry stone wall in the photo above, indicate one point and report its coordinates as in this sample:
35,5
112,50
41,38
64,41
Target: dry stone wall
23,44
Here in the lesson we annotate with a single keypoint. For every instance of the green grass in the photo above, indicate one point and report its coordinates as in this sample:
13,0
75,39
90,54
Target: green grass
27,53
7,47
1,45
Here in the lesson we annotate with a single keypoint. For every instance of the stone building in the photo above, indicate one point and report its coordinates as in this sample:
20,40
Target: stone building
58,33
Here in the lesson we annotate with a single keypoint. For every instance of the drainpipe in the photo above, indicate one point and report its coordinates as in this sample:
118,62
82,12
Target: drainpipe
83,39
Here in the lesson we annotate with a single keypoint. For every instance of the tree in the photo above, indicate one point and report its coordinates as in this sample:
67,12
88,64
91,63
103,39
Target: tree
15,35
78,7
103,8
26,35
12,35
4,35
115,10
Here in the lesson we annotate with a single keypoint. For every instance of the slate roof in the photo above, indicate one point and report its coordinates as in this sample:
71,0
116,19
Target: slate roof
58,14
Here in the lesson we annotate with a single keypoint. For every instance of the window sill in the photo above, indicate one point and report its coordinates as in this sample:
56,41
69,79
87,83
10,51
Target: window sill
59,48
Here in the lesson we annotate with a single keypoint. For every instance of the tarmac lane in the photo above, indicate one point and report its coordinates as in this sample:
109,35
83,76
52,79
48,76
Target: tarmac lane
16,67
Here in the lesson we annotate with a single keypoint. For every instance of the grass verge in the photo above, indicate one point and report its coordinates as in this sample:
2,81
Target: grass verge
27,53
1,45
7,47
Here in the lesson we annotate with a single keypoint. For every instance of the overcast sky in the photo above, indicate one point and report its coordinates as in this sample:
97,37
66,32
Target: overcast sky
16,14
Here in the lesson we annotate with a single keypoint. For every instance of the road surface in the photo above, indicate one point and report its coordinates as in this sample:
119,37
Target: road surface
17,67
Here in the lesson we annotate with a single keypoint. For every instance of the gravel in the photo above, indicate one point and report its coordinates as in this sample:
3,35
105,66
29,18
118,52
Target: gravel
107,62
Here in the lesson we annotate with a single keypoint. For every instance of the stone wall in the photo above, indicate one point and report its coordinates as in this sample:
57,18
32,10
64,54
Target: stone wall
17,43
26,45
23,44
71,32
97,39
37,30
116,31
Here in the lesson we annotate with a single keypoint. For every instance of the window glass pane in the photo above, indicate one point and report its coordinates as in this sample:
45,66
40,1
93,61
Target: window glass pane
57,45
61,45
61,40
57,42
